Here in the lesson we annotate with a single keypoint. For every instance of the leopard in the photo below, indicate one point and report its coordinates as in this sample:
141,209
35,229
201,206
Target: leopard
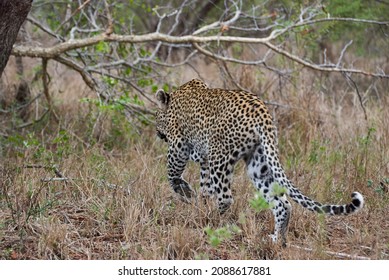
216,128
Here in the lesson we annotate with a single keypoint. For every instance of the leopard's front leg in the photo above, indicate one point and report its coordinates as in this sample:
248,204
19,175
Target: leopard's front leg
178,156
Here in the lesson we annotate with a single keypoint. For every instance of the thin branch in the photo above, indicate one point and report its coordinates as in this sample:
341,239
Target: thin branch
231,77
348,77
224,58
342,53
45,28
34,121
336,254
72,15
183,62
54,168
354,20
109,28
126,81
279,32
86,77
55,179
17,108
45,82
136,108
219,24
323,68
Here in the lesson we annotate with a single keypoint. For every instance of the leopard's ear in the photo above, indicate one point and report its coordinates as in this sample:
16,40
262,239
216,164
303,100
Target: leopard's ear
163,99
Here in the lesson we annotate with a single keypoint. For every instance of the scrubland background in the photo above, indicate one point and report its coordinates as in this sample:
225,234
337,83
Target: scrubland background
87,178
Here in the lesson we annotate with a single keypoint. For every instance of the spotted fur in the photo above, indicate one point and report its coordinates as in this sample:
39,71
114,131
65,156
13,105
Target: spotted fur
218,127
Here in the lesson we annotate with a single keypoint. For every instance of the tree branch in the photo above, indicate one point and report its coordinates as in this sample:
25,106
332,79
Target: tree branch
196,40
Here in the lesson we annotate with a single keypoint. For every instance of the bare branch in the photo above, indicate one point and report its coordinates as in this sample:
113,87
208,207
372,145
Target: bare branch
342,53
86,77
34,121
21,106
195,40
332,19
336,254
354,85
219,24
224,58
45,28
45,82
323,68
55,179
72,15
109,28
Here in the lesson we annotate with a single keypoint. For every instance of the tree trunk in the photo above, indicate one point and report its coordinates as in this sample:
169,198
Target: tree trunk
12,15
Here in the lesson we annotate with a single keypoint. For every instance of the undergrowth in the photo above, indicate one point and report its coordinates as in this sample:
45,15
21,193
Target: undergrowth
95,187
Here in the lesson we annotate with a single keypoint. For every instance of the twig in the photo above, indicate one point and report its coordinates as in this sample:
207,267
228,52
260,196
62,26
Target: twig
331,19
224,58
45,82
72,15
120,78
136,108
218,24
340,255
236,83
55,179
45,29
109,29
323,68
79,139
127,191
34,121
85,76
348,78
54,168
20,106
342,53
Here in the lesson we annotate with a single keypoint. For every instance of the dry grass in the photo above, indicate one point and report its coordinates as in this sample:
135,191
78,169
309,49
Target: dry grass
117,204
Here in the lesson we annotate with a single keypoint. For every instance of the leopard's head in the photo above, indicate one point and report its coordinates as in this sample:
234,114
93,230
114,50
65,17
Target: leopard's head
161,114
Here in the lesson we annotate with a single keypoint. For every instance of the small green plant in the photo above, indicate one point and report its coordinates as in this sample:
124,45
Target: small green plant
366,140
120,129
202,256
278,190
316,153
216,236
62,144
365,144
259,203
381,187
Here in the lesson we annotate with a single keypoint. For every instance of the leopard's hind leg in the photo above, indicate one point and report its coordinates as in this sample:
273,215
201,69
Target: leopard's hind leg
261,175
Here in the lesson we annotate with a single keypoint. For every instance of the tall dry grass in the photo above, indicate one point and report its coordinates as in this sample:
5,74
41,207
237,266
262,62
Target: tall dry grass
116,202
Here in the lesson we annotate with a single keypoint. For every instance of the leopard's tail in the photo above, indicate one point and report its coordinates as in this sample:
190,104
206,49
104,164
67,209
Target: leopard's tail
294,193
356,204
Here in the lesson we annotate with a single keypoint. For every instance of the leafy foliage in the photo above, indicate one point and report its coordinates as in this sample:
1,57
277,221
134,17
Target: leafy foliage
216,236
